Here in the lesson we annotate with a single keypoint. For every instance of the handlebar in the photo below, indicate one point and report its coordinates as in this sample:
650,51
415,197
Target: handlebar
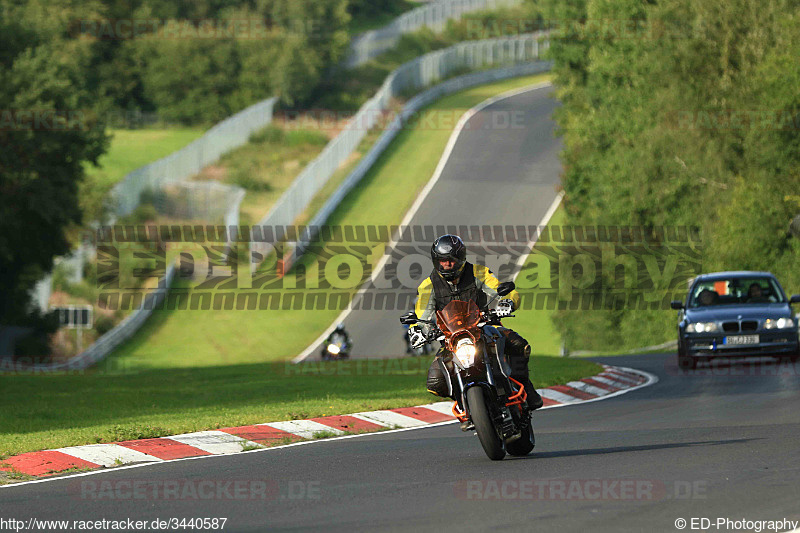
489,317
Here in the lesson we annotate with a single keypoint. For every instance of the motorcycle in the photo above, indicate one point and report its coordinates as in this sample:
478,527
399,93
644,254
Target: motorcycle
336,348
491,401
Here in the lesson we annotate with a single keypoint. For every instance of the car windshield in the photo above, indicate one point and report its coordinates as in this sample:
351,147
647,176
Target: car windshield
736,291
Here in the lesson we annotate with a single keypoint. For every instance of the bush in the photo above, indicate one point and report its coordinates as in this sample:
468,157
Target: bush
103,324
33,349
248,180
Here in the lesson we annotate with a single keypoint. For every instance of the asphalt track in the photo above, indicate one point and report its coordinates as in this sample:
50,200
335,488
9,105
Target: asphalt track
503,170
719,442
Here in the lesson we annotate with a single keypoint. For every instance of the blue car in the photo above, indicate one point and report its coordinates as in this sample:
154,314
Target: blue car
736,314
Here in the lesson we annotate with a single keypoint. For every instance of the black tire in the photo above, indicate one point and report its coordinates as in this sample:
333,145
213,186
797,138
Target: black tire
795,356
687,362
484,425
523,445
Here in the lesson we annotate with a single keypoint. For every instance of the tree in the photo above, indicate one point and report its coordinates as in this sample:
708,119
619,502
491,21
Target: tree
41,162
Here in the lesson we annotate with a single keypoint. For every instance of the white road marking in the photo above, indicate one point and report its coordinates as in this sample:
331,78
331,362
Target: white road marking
544,222
559,397
620,378
390,419
303,428
586,387
216,442
446,408
107,454
607,381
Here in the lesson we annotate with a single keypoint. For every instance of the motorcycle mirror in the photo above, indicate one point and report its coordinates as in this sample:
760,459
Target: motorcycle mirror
409,318
506,288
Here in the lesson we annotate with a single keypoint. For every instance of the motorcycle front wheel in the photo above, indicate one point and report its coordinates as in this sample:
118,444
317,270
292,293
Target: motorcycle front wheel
523,445
484,425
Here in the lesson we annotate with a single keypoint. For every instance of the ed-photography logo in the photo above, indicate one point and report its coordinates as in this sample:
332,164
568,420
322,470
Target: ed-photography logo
257,268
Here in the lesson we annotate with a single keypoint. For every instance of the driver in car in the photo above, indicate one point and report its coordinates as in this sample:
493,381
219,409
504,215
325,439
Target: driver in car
454,278
755,295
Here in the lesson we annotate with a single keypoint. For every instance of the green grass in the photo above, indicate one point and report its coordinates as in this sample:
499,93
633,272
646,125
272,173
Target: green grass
192,338
536,325
127,151
131,149
51,411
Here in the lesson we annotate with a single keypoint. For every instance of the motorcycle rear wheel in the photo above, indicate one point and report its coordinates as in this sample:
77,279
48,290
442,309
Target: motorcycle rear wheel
484,425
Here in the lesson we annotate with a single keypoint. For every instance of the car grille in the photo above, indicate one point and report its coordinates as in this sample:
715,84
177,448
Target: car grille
749,325
730,326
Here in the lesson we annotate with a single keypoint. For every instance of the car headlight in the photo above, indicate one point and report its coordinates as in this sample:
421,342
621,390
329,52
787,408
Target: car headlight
780,323
332,348
465,352
702,327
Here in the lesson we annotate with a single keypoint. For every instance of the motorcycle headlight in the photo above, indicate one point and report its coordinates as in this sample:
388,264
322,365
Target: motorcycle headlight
780,323
465,352
702,327
334,349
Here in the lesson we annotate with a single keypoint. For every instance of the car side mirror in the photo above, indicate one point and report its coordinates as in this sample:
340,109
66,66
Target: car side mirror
409,318
506,288
676,304
795,299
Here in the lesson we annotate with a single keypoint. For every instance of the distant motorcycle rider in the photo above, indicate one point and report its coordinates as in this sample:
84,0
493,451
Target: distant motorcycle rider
454,278
338,336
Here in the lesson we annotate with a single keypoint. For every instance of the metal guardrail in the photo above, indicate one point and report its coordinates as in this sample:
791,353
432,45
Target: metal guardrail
414,75
191,159
434,15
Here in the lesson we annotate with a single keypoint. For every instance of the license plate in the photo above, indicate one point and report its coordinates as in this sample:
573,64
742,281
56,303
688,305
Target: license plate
742,339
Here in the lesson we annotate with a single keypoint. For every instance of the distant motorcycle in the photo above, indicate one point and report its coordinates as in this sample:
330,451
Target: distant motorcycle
491,401
336,347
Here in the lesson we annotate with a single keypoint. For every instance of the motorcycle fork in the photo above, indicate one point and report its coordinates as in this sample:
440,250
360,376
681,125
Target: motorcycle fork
501,418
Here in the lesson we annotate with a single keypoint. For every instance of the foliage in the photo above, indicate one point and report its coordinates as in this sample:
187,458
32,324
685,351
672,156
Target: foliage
41,163
679,122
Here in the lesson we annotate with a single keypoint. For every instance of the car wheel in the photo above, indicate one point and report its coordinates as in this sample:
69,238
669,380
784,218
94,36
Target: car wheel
681,349
687,362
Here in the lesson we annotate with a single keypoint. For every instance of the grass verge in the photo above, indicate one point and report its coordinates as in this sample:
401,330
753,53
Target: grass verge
102,406
131,149
536,325
127,151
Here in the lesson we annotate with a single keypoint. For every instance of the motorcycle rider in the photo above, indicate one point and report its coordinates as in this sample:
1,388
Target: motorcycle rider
337,336
454,278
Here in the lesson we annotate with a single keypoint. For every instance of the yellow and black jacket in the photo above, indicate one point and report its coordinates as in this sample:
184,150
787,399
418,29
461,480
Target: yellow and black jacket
476,283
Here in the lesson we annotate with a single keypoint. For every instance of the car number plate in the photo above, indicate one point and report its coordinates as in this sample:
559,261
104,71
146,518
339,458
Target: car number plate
742,339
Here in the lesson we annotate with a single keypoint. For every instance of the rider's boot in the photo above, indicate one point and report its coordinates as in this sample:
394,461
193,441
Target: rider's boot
534,399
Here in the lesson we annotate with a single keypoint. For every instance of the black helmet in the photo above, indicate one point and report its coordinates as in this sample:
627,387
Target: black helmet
449,248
